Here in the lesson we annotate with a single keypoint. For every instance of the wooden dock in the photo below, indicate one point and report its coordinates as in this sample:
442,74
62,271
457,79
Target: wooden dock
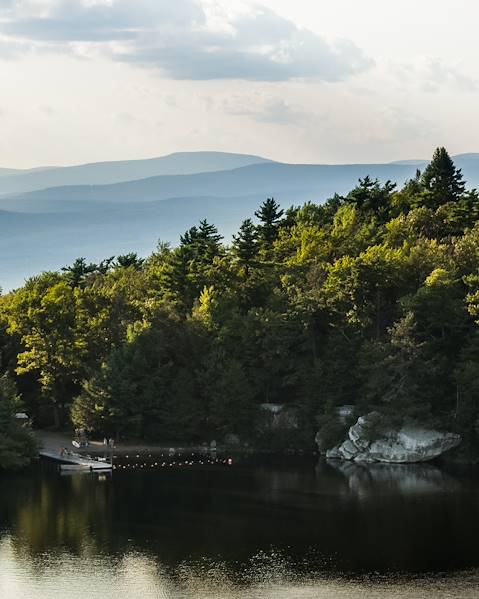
70,460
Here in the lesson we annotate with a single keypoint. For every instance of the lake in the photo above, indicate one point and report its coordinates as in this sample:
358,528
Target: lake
173,527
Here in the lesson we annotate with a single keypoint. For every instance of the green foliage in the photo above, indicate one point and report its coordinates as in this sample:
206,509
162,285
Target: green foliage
269,214
78,271
17,446
331,431
441,180
371,299
245,245
131,260
372,198
146,388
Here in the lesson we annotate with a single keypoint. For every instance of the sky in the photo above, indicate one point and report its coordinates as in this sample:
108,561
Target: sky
296,81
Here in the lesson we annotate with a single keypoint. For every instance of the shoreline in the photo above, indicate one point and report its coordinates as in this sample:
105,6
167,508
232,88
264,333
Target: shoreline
54,440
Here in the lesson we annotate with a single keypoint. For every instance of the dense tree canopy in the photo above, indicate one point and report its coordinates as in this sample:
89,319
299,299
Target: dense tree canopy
17,446
369,299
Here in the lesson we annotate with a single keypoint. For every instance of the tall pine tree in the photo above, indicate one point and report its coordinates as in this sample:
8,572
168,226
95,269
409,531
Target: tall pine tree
442,181
269,215
245,244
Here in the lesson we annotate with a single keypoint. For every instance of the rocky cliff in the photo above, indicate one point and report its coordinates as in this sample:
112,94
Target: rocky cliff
406,445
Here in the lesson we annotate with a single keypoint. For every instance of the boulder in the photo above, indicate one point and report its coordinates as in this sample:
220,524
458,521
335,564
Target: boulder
364,458
348,450
408,445
412,444
333,454
358,433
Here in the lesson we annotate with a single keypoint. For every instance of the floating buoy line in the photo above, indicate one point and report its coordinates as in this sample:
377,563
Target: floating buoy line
139,462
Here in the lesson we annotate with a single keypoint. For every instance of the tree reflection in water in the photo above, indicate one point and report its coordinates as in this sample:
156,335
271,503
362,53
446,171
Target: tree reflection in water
285,522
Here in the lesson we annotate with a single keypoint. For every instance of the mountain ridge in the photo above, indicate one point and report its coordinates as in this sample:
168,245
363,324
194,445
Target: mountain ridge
46,229
109,172
267,178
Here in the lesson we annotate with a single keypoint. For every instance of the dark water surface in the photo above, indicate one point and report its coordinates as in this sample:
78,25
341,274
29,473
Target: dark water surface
271,528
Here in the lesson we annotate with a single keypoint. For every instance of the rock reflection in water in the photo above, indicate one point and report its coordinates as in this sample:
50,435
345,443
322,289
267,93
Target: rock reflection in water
406,479
209,531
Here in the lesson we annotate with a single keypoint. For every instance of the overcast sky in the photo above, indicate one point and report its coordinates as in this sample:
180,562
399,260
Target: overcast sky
293,80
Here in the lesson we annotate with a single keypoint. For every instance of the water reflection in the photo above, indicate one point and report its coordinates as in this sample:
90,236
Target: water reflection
405,479
52,514
275,528
138,575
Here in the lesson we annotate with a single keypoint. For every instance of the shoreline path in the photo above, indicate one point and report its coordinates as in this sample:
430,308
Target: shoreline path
53,441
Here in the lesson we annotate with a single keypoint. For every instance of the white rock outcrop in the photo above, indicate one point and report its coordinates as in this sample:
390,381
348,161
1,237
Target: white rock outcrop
407,445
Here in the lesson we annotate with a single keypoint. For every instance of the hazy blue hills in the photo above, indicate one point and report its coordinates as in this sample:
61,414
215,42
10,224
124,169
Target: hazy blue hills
49,228
462,160
181,163
31,243
8,172
288,182
16,173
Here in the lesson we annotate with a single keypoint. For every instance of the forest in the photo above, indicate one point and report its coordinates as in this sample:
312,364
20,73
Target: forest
370,299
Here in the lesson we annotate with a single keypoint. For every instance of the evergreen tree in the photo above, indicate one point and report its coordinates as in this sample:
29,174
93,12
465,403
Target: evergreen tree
208,232
175,279
130,260
202,243
208,243
245,244
189,238
78,271
269,215
371,196
105,265
442,181
186,271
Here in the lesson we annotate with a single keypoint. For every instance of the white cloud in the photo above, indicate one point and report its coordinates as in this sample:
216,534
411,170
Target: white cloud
186,39
267,109
433,74
439,73
137,78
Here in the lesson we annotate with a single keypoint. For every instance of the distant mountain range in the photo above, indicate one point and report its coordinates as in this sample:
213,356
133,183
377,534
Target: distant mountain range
102,173
50,216
460,159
